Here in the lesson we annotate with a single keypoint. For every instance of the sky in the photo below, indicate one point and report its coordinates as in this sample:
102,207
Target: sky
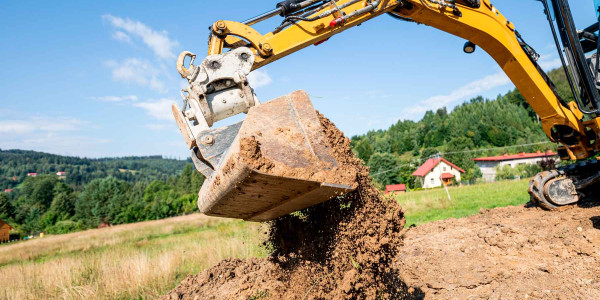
96,78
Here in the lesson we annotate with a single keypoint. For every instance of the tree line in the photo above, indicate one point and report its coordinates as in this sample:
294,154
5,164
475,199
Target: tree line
50,204
493,126
16,164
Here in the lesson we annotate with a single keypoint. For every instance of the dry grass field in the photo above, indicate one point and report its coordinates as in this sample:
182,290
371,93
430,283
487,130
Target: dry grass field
133,261
145,260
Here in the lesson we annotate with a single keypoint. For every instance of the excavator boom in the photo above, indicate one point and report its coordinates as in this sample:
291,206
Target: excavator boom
275,161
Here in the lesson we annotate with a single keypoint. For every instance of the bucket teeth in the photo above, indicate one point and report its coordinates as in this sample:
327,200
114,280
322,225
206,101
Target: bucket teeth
279,162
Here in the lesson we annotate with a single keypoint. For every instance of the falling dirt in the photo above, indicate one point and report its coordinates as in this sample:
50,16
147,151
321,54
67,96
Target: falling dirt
355,247
339,249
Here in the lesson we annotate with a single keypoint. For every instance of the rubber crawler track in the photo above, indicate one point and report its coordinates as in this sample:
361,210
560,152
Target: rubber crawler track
575,171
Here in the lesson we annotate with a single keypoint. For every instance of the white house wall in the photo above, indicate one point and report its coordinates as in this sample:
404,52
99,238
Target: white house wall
433,178
488,168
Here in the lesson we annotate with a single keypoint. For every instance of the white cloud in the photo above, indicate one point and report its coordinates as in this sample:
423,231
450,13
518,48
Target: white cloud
53,142
475,88
116,98
56,135
121,36
38,124
159,42
549,62
469,90
161,126
159,109
134,70
259,78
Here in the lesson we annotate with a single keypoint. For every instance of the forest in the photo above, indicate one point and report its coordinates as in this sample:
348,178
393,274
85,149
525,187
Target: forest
476,128
100,192
92,192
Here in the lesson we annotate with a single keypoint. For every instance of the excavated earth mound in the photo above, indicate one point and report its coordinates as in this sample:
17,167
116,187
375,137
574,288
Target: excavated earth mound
354,247
506,253
340,249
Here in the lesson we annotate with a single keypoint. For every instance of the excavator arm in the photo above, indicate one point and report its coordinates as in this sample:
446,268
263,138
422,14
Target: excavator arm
219,87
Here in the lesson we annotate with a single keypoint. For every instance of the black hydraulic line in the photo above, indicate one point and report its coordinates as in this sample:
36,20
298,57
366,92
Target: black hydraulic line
291,19
593,28
401,18
571,41
561,56
263,16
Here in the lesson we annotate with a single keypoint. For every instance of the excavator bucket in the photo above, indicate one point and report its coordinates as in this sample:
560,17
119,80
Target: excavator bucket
279,162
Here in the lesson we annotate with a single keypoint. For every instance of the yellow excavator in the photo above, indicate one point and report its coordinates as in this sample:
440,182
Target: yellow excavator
278,160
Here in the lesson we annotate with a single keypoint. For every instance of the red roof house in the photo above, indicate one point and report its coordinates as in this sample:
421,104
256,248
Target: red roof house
32,174
436,171
488,165
521,155
400,188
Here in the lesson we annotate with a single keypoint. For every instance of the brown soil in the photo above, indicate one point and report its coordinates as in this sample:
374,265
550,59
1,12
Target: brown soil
506,253
353,247
339,249
311,166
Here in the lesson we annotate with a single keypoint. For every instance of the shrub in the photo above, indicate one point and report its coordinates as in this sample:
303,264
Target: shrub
66,226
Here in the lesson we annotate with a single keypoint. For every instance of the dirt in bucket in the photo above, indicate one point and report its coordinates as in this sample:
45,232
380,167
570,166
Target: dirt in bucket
340,249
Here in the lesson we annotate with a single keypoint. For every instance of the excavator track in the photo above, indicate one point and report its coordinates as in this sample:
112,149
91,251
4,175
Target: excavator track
568,185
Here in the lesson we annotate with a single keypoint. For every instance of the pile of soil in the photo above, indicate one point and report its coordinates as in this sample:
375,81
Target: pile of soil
355,247
340,249
506,253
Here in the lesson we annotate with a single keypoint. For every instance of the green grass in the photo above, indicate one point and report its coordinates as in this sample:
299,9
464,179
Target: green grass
432,205
132,261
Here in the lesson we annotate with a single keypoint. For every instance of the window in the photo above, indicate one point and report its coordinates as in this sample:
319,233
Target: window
432,180
444,169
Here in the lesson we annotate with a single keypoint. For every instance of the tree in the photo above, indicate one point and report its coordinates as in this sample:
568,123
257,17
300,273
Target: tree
384,168
428,153
7,211
363,149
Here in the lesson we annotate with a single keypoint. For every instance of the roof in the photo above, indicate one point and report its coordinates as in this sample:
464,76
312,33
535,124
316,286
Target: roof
521,155
2,223
395,187
432,163
447,176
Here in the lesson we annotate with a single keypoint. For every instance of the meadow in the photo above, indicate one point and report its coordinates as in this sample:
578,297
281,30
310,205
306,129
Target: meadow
134,261
145,260
432,205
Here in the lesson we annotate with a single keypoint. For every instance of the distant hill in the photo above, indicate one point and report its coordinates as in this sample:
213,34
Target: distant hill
92,192
80,171
508,120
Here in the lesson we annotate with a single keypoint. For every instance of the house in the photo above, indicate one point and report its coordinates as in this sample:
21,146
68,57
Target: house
4,231
395,188
488,164
8,190
61,175
32,174
436,171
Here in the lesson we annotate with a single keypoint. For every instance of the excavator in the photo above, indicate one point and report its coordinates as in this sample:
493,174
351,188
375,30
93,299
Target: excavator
277,160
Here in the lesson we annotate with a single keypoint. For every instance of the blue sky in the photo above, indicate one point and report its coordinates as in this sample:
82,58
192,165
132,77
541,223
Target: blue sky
96,79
